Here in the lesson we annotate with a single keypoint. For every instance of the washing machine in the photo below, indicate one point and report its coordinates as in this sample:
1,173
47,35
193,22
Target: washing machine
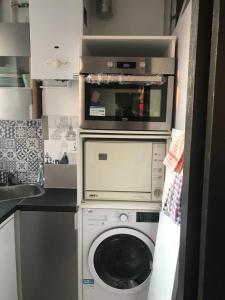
117,249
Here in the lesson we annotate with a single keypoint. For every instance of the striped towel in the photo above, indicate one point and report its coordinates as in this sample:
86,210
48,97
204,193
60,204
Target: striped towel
172,205
174,159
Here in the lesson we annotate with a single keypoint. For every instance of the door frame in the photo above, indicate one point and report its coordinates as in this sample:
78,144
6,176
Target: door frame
212,265
195,137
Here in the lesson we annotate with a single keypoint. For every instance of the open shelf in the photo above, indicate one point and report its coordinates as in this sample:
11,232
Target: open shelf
129,46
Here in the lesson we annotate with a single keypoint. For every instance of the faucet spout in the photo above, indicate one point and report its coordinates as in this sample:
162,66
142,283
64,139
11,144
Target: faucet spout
40,177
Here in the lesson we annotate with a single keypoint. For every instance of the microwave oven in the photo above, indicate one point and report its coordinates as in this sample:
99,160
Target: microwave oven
126,93
123,170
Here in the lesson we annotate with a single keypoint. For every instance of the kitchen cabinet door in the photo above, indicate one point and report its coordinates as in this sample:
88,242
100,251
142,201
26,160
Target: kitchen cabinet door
8,273
55,35
48,255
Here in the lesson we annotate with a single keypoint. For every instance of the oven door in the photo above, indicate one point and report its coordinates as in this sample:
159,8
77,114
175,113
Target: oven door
130,104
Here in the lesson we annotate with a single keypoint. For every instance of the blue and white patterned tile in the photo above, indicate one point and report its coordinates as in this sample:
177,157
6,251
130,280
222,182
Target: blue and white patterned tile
11,123
21,148
32,132
21,166
32,123
33,143
39,132
10,154
2,132
3,153
32,177
33,166
10,132
8,143
4,164
21,132
4,123
21,123
21,143
32,155
11,165
22,177
41,156
3,177
21,154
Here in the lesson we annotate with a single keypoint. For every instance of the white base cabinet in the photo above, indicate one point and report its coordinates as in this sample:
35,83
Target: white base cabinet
55,34
8,272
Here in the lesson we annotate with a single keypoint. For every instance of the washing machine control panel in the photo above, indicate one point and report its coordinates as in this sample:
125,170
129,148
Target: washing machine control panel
118,217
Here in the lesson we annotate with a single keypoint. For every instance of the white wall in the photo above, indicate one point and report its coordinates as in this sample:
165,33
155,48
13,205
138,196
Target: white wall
130,17
182,31
61,100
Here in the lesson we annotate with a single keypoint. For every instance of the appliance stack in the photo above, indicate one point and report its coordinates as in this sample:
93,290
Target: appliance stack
126,105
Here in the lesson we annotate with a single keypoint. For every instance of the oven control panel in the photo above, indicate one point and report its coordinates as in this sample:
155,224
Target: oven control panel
158,170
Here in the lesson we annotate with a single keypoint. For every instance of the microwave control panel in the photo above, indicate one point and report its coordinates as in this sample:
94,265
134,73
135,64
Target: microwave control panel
158,170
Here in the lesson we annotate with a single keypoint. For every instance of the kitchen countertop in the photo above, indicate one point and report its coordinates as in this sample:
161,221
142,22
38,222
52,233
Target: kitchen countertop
58,200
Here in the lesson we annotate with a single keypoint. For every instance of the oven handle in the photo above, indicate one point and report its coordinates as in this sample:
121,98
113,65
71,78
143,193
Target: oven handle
125,79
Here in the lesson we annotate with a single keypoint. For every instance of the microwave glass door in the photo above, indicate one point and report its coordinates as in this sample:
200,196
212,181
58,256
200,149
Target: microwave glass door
125,102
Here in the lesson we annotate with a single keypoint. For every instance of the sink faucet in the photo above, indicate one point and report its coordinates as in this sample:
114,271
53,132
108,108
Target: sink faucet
40,177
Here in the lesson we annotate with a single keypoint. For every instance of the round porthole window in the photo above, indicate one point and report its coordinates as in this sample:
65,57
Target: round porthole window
121,259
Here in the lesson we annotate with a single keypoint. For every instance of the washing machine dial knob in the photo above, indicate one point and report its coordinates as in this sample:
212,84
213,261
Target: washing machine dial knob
157,192
123,217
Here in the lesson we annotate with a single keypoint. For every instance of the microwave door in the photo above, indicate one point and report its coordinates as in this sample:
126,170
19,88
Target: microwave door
126,105
118,170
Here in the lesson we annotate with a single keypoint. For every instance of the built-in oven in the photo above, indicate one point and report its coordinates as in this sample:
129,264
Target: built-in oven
126,93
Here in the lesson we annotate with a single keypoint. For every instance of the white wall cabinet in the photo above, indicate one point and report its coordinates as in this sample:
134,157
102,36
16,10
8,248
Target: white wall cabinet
8,272
55,33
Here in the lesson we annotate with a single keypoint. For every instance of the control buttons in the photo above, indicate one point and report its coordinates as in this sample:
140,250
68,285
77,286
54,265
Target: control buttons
109,64
142,64
58,63
123,217
157,177
157,193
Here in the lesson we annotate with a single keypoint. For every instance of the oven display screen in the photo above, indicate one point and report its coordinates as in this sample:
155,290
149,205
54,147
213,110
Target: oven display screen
126,65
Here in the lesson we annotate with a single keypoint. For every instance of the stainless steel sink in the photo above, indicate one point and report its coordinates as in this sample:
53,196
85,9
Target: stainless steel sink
20,191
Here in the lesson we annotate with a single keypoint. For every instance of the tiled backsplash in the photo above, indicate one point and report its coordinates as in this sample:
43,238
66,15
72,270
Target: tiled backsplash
21,148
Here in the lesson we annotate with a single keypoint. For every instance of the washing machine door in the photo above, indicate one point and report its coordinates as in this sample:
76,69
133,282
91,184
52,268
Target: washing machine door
120,260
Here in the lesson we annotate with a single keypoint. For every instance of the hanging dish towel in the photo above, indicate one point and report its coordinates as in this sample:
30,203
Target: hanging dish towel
174,163
174,160
172,204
